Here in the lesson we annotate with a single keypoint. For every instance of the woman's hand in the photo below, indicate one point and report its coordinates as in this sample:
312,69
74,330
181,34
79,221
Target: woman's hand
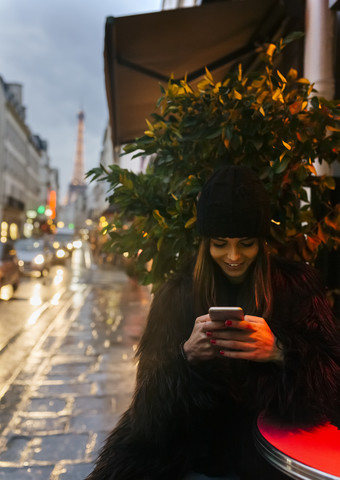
199,347
249,339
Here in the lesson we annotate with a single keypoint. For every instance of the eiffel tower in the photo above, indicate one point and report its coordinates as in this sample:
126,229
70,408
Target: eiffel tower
78,186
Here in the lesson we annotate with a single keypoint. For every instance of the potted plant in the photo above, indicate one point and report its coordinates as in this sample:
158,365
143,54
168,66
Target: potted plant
271,121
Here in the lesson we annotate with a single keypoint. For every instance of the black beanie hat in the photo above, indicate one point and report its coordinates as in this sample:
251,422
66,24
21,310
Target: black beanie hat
233,203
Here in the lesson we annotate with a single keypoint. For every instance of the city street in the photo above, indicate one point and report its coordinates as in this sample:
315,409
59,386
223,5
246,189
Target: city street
66,367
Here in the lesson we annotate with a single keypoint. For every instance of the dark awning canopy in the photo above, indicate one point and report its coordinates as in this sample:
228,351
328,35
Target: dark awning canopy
142,51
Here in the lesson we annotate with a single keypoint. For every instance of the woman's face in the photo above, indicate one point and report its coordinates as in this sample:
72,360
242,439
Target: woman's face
234,255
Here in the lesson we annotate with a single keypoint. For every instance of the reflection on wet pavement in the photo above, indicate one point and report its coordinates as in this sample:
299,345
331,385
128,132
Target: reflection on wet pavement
77,381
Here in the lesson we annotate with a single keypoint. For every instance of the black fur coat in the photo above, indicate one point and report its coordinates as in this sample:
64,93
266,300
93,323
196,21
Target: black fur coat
184,417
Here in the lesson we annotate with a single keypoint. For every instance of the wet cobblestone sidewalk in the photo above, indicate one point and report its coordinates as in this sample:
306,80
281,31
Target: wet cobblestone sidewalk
76,383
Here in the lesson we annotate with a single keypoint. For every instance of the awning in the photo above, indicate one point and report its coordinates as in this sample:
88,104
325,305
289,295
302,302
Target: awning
142,51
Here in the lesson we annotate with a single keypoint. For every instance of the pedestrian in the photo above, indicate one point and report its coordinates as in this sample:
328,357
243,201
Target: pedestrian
201,384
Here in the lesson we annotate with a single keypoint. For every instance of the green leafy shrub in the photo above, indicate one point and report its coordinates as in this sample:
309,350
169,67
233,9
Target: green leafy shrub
271,121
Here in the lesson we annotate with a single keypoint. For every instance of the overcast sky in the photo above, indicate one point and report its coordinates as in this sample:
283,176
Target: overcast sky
55,50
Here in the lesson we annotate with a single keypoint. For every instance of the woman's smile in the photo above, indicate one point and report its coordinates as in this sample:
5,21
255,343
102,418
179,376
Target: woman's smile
234,255
234,266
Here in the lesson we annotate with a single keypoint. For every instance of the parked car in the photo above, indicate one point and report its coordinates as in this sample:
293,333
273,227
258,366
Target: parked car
60,254
34,256
9,270
63,242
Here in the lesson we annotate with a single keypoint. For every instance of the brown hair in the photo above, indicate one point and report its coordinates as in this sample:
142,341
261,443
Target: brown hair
204,280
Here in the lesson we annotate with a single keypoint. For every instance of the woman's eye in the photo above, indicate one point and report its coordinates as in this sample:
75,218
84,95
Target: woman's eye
247,244
219,245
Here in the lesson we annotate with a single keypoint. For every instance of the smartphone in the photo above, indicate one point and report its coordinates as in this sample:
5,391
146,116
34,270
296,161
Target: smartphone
219,314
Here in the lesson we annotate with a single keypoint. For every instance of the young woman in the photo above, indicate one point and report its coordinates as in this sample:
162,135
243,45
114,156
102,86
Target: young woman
201,383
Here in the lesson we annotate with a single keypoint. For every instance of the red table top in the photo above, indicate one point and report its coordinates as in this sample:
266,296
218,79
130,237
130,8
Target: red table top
317,447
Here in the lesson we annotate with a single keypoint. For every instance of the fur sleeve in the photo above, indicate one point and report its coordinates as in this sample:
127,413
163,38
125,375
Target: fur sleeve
307,388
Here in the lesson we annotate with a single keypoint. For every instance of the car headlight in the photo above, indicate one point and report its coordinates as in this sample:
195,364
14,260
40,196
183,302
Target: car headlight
39,259
77,244
60,253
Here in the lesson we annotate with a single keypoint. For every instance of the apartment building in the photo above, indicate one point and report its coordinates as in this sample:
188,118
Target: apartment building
23,158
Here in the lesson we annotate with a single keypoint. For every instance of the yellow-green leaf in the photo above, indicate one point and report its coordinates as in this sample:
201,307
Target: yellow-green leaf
281,76
239,72
160,219
149,133
185,86
258,82
332,129
276,94
202,85
261,97
149,124
311,168
126,182
292,74
275,222
237,95
159,243
303,80
209,76
190,223
217,87
271,49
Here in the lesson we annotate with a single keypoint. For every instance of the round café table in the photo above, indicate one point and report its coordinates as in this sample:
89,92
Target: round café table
307,453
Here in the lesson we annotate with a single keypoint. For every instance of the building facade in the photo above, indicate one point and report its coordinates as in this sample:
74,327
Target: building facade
98,191
23,157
